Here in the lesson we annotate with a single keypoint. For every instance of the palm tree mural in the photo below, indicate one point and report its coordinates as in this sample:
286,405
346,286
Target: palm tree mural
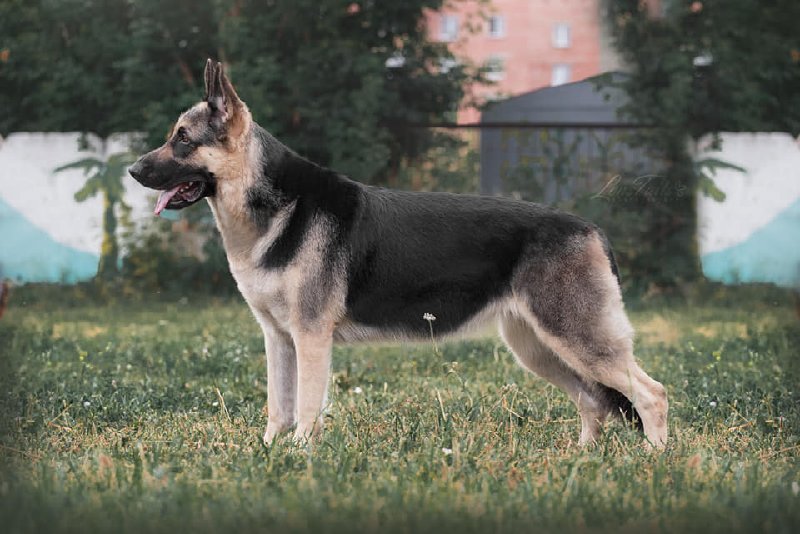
104,176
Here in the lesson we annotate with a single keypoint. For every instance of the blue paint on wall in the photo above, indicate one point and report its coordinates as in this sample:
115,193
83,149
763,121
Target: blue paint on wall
29,254
770,254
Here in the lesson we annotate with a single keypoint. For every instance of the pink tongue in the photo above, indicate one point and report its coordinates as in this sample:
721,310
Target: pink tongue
164,198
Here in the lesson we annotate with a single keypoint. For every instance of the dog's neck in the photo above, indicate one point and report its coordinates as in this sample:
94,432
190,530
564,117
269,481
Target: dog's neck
257,194
246,206
228,203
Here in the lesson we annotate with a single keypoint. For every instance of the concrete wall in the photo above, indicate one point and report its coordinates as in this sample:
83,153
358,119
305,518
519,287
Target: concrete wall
754,234
44,234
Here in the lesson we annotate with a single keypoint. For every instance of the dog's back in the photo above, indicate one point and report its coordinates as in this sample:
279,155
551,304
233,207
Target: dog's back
319,257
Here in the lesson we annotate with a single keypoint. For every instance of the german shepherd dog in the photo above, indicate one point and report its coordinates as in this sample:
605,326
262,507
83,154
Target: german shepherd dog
321,258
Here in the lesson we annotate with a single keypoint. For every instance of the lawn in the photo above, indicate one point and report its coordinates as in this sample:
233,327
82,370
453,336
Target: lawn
149,416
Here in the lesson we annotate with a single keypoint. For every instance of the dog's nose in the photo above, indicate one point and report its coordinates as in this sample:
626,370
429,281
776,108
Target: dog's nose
135,170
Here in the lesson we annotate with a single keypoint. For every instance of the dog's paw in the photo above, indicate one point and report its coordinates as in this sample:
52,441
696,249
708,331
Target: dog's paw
307,434
274,430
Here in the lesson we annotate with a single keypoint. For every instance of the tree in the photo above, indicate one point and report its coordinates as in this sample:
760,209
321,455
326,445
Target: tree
314,72
104,176
702,67
60,70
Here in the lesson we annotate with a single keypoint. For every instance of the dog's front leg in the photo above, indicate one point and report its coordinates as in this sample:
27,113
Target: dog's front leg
313,373
281,383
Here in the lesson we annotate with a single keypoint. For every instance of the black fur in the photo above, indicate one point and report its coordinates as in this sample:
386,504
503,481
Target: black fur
166,174
620,406
407,253
286,178
448,255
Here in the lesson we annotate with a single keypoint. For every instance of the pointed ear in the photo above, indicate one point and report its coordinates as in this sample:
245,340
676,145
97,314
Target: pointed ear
225,105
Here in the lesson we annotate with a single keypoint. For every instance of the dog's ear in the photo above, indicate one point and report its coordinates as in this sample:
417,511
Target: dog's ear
227,109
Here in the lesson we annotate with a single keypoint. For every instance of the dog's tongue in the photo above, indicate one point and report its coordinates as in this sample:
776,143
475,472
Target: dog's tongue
164,198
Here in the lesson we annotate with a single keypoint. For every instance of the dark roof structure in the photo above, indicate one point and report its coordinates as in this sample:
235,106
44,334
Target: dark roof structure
593,101
558,143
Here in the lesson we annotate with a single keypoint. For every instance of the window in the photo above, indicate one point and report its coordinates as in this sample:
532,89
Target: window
561,35
448,28
446,64
395,61
561,74
497,26
495,68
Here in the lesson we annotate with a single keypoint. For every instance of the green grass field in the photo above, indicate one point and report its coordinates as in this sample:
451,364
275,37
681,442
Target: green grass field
148,417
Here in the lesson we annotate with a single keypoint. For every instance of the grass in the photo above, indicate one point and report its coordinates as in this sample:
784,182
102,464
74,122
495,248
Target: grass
148,417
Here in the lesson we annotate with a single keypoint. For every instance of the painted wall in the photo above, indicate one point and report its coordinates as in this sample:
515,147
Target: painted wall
754,234
45,236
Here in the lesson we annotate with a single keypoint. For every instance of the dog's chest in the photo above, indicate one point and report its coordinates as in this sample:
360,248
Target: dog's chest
267,294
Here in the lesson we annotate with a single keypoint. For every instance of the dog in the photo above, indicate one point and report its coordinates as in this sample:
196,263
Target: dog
321,258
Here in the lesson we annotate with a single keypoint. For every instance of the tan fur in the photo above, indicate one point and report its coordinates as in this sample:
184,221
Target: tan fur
301,307
609,359
535,356
298,346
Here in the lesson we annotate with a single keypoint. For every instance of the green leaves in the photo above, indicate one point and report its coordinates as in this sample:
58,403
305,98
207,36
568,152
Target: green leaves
706,169
715,67
105,176
313,72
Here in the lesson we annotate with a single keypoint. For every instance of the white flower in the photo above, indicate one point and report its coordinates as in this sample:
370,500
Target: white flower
446,451
713,404
86,404
357,390
428,316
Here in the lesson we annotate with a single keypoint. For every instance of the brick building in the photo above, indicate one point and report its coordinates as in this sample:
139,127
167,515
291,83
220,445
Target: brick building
526,44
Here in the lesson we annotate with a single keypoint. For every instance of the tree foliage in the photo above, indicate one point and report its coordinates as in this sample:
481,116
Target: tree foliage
713,65
702,67
104,176
312,71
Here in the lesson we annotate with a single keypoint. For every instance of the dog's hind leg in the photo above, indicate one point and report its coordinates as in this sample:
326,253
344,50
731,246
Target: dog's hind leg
535,356
573,303
281,383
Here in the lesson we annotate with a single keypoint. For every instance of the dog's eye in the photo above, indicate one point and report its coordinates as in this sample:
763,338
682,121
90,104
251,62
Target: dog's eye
183,137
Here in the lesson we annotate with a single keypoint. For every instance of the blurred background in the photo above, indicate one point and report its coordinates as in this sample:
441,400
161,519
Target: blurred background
673,124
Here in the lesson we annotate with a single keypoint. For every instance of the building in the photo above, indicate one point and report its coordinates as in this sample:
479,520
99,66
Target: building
525,44
558,143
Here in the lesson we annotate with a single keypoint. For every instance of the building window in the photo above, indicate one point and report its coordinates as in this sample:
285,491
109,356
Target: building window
395,61
561,74
495,68
446,64
448,28
497,26
561,35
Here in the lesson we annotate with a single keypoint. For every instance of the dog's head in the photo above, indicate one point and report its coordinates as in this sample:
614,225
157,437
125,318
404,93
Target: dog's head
200,148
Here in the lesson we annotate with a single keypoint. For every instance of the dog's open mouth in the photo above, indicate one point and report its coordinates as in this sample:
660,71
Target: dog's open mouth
180,196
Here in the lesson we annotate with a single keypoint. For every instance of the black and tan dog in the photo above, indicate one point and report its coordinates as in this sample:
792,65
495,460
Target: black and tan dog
320,258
